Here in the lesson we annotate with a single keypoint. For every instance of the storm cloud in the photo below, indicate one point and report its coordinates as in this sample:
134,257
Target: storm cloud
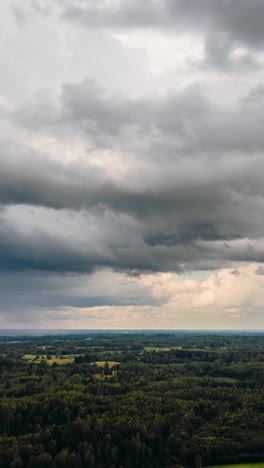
114,173
224,26
239,18
195,181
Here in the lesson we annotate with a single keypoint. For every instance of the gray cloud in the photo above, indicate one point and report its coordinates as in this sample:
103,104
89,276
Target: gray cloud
198,189
45,240
176,230
49,290
173,125
239,18
219,52
156,181
225,26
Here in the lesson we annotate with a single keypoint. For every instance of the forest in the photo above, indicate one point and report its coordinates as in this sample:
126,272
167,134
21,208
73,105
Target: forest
132,400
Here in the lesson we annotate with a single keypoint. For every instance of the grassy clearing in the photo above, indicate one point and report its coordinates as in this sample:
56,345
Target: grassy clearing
29,357
64,360
60,361
102,363
243,465
224,380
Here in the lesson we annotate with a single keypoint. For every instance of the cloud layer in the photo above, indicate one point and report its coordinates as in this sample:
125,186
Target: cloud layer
113,174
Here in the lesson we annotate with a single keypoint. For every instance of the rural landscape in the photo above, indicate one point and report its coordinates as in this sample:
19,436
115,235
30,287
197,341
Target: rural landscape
132,400
132,233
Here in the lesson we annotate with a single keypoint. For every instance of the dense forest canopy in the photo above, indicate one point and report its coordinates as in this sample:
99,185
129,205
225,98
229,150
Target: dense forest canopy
126,400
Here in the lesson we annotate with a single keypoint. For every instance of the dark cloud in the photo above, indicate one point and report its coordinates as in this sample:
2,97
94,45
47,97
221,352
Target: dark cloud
44,240
239,21
220,53
238,17
176,124
158,175
29,178
165,239
192,232
193,184
48,290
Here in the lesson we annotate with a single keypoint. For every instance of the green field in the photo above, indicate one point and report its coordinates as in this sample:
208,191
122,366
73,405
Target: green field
103,363
29,357
149,349
60,361
57,360
244,465
64,360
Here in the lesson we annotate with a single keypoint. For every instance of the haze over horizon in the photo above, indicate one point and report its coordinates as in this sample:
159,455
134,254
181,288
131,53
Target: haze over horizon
131,164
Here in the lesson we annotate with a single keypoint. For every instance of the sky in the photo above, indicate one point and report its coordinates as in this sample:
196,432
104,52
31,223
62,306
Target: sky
131,164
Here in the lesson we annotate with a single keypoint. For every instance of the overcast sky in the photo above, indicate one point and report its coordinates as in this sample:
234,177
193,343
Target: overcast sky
132,164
